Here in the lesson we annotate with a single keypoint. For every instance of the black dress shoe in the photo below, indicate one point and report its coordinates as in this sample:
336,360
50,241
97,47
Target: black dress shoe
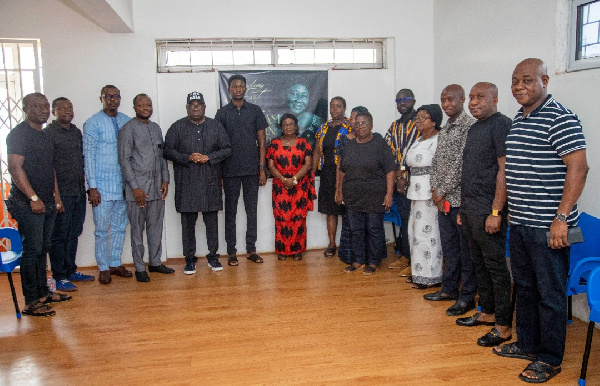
472,321
142,276
160,268
439,296
460,308
492,339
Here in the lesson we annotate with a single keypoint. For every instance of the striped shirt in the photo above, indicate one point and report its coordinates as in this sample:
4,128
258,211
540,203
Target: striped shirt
535,172
101,156
400,136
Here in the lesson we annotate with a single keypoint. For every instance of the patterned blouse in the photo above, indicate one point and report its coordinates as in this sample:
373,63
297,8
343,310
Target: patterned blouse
446,169
344,130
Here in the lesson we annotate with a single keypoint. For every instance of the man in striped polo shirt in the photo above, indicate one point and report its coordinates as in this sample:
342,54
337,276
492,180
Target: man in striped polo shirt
546,169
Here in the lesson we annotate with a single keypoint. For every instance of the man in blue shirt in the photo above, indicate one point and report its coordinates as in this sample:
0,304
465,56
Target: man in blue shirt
105,183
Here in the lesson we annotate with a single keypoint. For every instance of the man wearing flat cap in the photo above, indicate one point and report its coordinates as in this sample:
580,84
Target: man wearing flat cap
197,145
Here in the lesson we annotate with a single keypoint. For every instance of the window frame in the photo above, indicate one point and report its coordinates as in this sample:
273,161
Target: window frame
272,45
574,64
14,107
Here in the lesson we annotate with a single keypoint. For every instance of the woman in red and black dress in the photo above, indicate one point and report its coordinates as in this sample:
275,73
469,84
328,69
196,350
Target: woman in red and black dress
290,162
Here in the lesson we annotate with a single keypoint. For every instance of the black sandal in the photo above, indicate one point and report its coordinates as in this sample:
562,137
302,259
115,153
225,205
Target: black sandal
543,372
61,298
281,257
511,350
353,267
232,261
38,309
330,251
297,257
255,258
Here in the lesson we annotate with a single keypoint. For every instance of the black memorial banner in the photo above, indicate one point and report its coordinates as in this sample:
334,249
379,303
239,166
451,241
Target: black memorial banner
302,93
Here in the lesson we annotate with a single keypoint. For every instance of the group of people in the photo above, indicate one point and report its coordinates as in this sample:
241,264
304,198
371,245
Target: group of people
454,187
460,185
123,161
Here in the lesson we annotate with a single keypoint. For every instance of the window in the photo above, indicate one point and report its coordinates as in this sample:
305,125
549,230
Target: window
207,55
20,74
584,35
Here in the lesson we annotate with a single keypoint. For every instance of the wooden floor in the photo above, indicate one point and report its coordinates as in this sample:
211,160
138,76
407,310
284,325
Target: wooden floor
281,322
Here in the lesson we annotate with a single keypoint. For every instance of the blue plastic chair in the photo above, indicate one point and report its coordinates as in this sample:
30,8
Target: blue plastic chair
10,259
589,248
593,298
393,216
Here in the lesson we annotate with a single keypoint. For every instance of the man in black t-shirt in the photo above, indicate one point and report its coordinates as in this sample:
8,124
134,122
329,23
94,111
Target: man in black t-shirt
33,202
483,213
245,124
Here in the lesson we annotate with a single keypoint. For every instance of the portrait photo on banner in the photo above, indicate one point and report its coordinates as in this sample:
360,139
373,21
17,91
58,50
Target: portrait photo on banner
302,93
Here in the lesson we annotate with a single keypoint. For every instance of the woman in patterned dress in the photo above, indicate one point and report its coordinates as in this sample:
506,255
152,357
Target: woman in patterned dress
423,229
290,162
325,160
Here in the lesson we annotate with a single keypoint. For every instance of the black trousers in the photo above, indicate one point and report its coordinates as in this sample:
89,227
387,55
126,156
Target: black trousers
36,232
458,265
489,256
232,187
188,234
403,205
540,275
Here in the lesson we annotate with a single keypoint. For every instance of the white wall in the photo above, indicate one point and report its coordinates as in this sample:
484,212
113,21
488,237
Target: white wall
79,58
484,40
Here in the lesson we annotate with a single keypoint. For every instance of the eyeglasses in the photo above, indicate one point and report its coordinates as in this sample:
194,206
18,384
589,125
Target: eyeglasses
420,118
361,124
288,125
404,100
111,96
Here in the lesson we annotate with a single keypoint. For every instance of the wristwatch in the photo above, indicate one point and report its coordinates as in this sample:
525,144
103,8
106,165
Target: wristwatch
34,198
560,217
495,213
294,180
261,167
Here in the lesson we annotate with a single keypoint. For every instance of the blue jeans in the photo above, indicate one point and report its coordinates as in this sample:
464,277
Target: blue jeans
458,265
67,229
36,233
540,276
403,205
366,229
110,218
